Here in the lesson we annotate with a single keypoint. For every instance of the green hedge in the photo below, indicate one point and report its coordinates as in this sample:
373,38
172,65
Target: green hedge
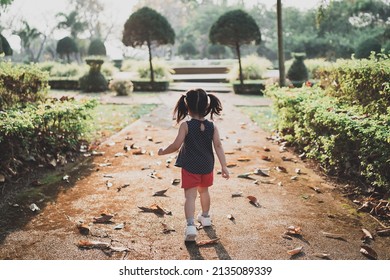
21,84
42,131
363,82
345,140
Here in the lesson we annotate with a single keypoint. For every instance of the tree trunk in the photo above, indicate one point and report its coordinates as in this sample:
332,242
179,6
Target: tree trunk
282,72
150,62
239,63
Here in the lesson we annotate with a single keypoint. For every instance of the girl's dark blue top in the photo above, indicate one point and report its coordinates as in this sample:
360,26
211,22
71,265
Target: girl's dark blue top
196,154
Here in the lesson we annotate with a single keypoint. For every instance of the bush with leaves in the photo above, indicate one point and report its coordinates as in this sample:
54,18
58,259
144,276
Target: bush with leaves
122,87
253,68
20,84
97,47
345,141
359,82
297,73
42,132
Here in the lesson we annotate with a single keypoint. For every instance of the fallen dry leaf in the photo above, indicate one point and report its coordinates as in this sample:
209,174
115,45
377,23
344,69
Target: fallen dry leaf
368,252
261,172
333,235
237,194
138,152
167,229
383,232
231,164
229,152
253,201
292,230
266,158
87,244
281,169
175,182
154,208
231,217
295,251
83,229
207,242
266,149
243,159
246,176
122,187
104,218
366,235
160,193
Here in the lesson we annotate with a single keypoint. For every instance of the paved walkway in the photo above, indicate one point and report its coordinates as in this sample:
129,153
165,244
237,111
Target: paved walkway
119,182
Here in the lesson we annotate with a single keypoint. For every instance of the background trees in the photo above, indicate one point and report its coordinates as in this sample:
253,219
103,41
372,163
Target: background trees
146,26
235,28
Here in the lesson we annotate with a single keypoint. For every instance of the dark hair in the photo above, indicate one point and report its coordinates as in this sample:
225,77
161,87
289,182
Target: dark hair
196,101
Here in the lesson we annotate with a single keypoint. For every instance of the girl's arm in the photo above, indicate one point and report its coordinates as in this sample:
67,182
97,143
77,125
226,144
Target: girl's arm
220,153
183,130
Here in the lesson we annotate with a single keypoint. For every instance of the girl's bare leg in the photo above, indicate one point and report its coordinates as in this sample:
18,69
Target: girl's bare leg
204,200
189,204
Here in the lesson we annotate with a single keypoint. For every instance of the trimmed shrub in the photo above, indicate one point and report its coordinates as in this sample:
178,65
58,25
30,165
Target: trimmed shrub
297,73
42,132
344,140
161,69
94,81
359,82
121,87
97,48
253,68
20,84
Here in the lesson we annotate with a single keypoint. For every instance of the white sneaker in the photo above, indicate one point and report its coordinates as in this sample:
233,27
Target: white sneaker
190,233
205,221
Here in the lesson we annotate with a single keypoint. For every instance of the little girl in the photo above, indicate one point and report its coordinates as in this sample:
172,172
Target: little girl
195,139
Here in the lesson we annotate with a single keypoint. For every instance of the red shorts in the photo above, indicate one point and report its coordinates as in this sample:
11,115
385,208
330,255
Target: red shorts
191,180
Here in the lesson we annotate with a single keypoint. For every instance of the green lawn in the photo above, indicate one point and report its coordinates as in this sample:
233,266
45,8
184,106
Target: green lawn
262,115
108,119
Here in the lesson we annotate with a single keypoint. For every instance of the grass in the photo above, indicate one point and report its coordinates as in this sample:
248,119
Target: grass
108,119
263,116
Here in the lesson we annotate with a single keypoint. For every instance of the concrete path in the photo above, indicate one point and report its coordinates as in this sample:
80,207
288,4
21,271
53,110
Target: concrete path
119,182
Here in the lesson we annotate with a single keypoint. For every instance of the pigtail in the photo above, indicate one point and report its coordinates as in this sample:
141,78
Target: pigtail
180,109
215,106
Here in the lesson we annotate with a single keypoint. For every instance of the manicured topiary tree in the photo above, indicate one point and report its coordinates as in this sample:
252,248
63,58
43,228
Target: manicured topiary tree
66,46
146,26
235,28
297,73
97,47
5,48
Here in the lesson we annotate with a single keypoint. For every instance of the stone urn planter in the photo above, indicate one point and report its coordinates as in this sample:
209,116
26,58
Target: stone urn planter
94,81
249,89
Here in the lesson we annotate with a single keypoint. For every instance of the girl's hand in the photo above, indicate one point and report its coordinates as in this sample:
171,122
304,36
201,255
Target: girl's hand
160,151
225,172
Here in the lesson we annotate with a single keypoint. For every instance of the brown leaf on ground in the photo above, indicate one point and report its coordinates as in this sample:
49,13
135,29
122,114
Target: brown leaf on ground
261,172
231,164
231,217
90,244
237,194
160,193
368,252
229,152
138,152
366,235
207,242
154,208
266,158
83,229
383,232
292,230
281,169
253,201
333,235
295,251
175,182
104,218
243,159
167,229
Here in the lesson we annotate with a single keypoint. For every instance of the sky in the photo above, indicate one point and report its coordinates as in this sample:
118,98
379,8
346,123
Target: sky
41,15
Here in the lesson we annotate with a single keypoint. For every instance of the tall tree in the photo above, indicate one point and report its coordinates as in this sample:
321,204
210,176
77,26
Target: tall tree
72,22
146,26
28,35
234,29
282,75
